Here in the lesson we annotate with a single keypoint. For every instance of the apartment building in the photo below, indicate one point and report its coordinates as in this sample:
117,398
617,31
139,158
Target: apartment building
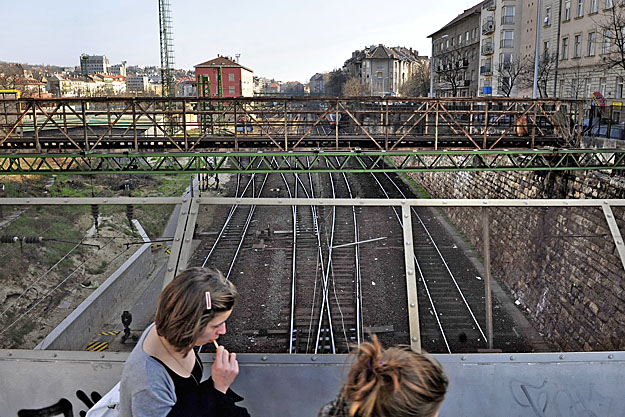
223,77
94,64
456,55
137,83
503,66
383,70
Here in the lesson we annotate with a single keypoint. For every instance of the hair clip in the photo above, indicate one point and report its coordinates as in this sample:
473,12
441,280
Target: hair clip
208,300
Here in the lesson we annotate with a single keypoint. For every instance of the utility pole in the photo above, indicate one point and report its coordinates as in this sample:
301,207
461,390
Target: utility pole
537,56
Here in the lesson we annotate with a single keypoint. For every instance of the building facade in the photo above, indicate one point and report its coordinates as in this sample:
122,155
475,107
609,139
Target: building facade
137,83
580,52
382,70
317,87
456,56
94,64
223,77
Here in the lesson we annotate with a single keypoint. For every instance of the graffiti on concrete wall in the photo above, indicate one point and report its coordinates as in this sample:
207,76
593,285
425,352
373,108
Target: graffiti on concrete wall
63,407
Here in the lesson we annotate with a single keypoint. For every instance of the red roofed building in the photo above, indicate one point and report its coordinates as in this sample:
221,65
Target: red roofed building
223,77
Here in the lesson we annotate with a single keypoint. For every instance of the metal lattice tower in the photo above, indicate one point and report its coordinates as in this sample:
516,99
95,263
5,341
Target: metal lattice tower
167,49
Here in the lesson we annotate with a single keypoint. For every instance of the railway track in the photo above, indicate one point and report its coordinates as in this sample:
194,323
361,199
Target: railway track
318,284
448,299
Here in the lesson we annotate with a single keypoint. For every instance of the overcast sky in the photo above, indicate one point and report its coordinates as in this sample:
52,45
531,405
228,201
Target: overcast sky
285,40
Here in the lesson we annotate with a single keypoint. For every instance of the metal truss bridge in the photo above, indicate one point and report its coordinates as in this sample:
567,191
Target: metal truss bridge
307,134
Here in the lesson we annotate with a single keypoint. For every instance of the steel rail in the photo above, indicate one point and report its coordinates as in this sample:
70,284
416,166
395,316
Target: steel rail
293,266
358,286
418,265
247,224
325,302
453,278
233,209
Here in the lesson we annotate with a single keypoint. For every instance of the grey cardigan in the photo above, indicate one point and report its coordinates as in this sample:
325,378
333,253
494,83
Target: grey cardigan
146,389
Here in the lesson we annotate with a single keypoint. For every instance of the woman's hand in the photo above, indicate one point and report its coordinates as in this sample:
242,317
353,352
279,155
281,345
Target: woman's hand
224,370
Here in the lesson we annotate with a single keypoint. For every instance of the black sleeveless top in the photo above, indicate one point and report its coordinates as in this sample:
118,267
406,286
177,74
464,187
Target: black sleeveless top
184,385
201,399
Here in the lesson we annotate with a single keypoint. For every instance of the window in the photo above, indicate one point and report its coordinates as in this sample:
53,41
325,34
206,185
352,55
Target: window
591,44
580,8
577,48
379,74
231,89
446,43
567,10
505,59
548,16
619,87
565,48
602,86
231,77
605,46
593,6
466,36
507,39
609,4
459,39
507,15
546,48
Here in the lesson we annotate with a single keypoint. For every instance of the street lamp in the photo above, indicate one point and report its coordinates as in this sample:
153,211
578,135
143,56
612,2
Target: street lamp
432,65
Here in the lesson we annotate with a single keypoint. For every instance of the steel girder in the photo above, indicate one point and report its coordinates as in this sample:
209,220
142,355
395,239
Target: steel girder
313,161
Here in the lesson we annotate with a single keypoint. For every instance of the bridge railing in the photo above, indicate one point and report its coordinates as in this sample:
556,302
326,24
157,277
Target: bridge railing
283,124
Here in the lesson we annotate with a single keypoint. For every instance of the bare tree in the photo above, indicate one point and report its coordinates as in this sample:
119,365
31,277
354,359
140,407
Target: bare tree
546,68
418,83
11,75
451,71
334,81
575,81
510,72
611,35
353,87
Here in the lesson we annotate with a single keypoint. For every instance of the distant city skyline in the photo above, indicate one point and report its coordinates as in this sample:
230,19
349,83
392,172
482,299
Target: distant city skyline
281,40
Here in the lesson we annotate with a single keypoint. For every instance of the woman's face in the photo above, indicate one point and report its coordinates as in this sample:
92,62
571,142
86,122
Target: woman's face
214,328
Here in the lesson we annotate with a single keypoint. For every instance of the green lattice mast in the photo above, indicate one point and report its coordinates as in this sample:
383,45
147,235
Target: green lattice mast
167,49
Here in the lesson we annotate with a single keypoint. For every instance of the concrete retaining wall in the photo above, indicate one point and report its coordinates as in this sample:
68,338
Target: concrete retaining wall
559,264
75,332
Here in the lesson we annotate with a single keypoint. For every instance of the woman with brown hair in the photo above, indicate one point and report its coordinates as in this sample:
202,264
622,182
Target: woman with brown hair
162,375
393,382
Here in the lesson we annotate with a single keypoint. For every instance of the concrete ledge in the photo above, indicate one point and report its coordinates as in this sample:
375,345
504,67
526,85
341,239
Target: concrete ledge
489,385
76,331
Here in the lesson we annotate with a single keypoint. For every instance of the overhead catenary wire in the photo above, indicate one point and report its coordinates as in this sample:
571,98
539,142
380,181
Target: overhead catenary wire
55,288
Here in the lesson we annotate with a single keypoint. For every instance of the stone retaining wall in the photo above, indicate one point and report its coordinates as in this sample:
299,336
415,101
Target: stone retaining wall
559,263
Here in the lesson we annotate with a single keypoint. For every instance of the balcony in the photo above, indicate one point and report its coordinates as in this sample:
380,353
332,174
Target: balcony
507,20
487,48
486,70
488,26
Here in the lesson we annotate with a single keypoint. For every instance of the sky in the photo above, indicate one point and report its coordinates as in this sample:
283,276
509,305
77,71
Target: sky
281,39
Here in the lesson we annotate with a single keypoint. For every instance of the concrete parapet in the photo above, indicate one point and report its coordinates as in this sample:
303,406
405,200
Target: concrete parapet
78,328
